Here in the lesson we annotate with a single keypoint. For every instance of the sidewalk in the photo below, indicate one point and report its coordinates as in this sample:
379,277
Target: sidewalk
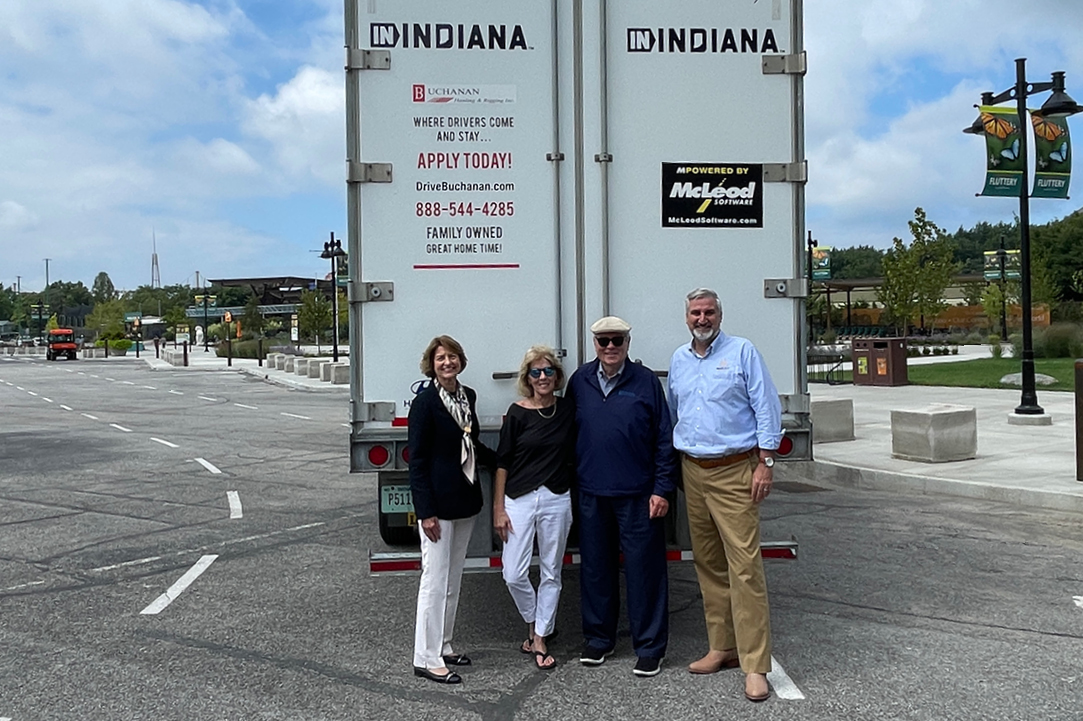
1024,465
198,360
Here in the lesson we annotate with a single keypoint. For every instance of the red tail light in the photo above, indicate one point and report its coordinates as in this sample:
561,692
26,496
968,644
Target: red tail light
785,448
379,456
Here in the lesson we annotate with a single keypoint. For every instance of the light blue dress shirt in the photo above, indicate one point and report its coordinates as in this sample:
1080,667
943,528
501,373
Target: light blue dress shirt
608,384
724,402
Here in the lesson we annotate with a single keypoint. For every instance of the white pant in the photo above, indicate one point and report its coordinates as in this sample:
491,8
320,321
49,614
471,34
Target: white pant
438,595
549,517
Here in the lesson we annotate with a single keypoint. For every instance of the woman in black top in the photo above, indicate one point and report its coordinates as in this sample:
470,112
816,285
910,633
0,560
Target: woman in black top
444,458
531,497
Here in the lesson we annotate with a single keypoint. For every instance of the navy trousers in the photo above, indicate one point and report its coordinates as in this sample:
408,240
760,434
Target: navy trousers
608,526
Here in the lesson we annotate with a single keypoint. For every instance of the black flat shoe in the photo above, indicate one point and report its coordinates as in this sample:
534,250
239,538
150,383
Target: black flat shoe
448,678
457,659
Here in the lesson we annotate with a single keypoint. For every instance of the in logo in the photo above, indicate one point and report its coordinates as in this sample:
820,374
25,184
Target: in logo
383,35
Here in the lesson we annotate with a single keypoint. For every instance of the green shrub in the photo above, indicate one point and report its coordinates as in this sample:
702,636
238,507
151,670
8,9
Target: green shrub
120,345
244,349
1060,340
828,338
995,347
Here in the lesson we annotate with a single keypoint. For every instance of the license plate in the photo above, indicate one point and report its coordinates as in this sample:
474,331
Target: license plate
396,499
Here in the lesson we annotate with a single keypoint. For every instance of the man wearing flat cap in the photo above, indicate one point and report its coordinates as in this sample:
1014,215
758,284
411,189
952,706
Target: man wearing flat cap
626,466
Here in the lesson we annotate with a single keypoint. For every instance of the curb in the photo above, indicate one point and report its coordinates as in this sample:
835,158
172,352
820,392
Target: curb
839,476
262,374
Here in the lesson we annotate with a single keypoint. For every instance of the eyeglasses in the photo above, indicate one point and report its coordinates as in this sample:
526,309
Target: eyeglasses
617,341
549,372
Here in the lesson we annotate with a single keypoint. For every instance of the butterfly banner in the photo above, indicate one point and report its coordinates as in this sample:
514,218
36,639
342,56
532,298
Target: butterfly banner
1052,157
1004,171
821,263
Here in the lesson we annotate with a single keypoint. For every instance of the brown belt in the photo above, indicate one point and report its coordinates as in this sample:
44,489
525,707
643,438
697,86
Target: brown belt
724,460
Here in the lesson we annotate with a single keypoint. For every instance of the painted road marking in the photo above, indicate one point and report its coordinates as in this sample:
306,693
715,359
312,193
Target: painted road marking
234,504
32,393
222,544
87,415
127,383
20,388
121,428
1078,600
94,376
25,585
782,684
159,604
242,405
345,425
47,400
113,380
177,393
205,398
165,443
294,415
67,408
149,388
208,465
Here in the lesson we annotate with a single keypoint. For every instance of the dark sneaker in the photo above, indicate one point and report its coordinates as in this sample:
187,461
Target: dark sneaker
592,656
647,666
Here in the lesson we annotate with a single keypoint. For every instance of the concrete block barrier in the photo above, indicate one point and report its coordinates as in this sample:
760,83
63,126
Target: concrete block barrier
938,433
280,361
314,366
325,371
832,420
340,373
300,366
288,366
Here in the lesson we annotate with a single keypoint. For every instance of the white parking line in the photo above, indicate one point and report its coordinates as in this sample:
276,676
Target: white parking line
242,405
113,380
164,443
25,585
208,465
32,393
87,415
159,604
205,398
121,428
294,415
782,684
94,376
345,425
1078,600
150,388
19,388
47,400
67,408
234,504
177,393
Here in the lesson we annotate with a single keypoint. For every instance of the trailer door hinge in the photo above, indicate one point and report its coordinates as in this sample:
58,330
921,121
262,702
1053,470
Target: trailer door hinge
785,288
376,411
357,172
554,157
786,172
603,158
361,59
796,64
371,292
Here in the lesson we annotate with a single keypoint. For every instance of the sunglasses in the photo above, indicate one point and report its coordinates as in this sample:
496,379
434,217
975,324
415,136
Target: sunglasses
549,372
617,341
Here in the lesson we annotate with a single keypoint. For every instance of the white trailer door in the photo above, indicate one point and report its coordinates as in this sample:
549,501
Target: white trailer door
466,230
690,119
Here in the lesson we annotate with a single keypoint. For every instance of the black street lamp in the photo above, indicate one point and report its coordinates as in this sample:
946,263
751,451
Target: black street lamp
205,300
1058,104
333,250
1002,257
39,311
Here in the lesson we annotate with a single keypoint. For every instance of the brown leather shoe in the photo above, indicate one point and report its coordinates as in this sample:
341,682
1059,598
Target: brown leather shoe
756,687
714,662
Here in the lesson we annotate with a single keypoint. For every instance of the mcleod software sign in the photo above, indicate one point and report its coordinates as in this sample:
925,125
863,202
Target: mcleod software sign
712,195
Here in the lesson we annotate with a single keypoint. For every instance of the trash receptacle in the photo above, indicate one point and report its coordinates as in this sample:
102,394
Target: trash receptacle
881,362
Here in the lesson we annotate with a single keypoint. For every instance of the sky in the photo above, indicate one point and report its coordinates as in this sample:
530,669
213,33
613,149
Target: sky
214,130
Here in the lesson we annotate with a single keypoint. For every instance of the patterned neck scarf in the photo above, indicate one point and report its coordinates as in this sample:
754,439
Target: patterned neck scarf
458,406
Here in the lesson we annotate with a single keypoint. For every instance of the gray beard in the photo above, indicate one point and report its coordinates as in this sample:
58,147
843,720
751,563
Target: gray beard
705,336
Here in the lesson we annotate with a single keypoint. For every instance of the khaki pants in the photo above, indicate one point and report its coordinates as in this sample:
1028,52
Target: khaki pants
725,529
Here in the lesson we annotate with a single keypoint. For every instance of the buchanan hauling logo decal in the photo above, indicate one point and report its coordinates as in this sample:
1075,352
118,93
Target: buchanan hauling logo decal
712,195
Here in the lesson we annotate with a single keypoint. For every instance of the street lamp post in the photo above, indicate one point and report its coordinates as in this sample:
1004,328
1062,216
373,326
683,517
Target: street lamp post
205,300
1058,104
333,250
1002,257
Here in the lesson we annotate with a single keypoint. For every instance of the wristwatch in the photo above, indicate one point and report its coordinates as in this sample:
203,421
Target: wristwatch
769,461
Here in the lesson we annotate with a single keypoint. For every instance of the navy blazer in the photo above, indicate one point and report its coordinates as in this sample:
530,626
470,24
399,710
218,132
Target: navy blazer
437,481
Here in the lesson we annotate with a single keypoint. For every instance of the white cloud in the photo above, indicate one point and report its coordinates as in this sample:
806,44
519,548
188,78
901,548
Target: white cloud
14,216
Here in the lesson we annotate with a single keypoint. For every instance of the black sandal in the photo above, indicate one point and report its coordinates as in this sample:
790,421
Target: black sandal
527,646
457,659
541,656
448,678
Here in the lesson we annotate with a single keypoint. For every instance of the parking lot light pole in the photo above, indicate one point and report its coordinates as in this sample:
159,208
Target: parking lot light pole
1059,104
333,250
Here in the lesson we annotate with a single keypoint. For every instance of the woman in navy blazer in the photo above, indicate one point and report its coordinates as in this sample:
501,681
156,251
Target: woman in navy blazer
444,457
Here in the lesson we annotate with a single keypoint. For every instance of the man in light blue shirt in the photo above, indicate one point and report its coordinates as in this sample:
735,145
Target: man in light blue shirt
727,426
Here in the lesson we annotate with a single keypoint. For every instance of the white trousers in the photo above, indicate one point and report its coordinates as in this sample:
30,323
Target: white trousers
438,595
547,516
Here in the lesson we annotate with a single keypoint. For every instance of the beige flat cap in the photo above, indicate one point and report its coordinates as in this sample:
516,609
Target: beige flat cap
610,324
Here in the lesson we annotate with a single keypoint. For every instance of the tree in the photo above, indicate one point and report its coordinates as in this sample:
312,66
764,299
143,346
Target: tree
252,320
107,319
102,289
916,277
862,261
314,315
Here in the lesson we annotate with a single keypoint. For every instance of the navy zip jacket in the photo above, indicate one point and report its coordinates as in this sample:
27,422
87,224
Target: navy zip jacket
437,481
625,441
